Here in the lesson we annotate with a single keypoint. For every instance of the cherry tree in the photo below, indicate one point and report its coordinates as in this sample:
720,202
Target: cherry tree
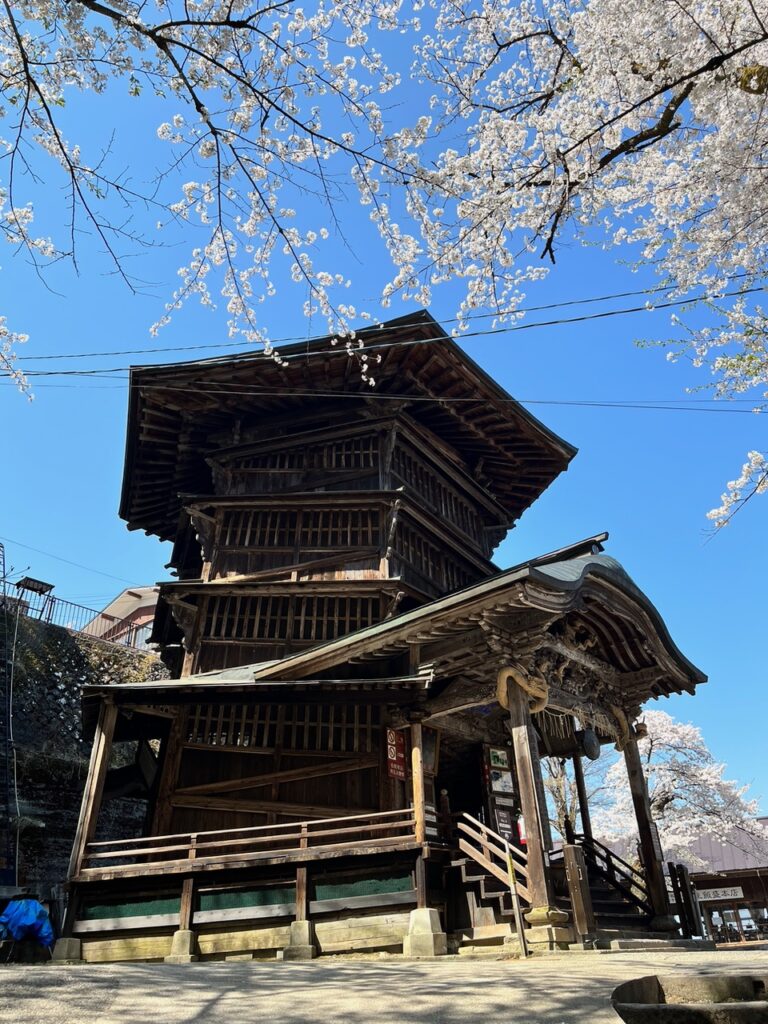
562,795
497,130
261,109
638,123
688,793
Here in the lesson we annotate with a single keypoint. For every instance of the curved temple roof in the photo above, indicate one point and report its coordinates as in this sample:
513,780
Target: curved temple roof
636,651
176,408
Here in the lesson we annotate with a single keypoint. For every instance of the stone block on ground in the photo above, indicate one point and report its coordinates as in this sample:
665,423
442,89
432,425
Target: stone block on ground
425,936
68,949
302,945
183,946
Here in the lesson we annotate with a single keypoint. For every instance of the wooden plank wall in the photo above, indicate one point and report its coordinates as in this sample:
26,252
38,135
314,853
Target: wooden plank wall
246,764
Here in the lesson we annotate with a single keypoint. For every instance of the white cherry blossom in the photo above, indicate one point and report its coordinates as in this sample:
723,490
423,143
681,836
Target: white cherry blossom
689,795
505,128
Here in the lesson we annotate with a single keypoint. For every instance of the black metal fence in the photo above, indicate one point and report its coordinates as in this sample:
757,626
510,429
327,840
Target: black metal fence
79,619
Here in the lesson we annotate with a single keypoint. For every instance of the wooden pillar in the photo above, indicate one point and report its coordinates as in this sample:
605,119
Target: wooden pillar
187,902
302,880
651,855
169,773
419,810
420,879
94,785
417,779
578,886
581,789
526,748
301,893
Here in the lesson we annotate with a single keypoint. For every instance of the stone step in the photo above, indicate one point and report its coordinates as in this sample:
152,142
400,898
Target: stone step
483,935
483,952
661,945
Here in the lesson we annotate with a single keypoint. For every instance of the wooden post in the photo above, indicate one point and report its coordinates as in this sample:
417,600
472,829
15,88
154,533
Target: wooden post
417,778
446,821
94,785
525,744
301,893
692,911
578,888
679,904
581,789
301,878
651,856
420,879
187,898
169,773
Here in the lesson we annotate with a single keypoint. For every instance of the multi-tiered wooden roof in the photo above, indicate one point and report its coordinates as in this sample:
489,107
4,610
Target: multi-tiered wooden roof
175,411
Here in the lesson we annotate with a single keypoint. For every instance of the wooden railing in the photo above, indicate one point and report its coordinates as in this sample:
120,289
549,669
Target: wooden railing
494,854
616,872
292,842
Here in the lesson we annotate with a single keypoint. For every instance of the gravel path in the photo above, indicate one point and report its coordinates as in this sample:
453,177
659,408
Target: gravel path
563,989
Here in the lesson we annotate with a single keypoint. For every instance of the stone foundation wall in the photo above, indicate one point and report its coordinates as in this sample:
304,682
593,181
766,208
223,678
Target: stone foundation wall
51,667
348,933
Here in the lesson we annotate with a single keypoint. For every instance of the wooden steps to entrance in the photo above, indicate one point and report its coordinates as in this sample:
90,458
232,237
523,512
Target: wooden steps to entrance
492,930
489,892
612,910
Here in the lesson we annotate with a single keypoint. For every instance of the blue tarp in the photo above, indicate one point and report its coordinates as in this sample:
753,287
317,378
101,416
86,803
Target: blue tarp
26,919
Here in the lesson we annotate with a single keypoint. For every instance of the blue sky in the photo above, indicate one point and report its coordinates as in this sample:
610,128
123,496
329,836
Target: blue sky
647,476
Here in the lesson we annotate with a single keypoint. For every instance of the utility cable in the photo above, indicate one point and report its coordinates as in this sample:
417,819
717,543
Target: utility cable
58,558
384,328
221,388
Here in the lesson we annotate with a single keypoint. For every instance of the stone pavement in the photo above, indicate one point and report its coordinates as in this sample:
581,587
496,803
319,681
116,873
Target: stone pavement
571,988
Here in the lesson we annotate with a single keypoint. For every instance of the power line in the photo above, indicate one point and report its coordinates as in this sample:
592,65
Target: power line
221,388
58,558
382,329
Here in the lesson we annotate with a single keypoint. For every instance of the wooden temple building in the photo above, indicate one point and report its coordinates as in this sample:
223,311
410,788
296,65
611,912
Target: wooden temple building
348,756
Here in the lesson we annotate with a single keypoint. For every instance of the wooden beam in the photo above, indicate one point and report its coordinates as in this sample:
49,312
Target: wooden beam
312,771
342,903
150,709
473,729
596,665
94,785
169,773
266,807
460,696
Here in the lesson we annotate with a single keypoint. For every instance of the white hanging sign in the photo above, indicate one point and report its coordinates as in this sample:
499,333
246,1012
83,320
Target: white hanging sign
734,893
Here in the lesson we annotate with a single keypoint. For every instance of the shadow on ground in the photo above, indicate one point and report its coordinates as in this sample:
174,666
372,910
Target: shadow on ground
549,990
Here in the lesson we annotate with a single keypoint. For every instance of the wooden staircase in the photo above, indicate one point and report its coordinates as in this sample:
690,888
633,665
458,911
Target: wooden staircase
494,878
618,893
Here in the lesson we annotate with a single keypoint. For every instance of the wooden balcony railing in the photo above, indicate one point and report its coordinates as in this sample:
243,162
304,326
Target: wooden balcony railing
290,843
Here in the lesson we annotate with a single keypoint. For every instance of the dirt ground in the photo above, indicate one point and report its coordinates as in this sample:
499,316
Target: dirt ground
556,989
